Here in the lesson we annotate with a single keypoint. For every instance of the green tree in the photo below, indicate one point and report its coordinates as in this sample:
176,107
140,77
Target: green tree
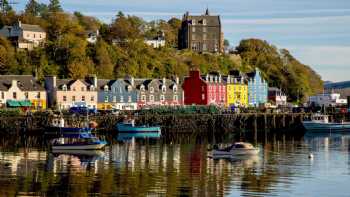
7,56
32,8
54,6
104,65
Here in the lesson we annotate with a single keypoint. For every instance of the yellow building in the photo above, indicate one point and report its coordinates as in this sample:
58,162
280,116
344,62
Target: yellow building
237,91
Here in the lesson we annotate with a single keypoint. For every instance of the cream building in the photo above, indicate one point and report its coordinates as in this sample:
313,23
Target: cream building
24,36
22,91
66,93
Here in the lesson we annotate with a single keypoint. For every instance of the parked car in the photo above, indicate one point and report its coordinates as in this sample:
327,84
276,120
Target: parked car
82,110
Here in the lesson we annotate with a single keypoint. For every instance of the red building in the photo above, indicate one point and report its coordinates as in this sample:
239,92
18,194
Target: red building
204,90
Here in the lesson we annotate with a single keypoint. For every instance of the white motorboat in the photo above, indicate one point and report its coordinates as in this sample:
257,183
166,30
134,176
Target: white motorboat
237,149
320,123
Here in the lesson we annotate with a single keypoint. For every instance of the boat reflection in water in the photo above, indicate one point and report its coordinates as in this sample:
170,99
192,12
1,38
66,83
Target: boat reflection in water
130,136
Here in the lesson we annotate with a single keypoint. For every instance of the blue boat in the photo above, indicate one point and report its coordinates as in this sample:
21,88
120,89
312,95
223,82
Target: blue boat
129,127
320,123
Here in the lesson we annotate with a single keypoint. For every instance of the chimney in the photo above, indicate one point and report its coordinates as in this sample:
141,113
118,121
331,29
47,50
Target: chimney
95,80
14,83
50,82
132,81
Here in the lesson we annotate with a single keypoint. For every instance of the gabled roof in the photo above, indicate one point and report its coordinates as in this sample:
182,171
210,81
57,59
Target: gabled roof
69,82
28,27
24,82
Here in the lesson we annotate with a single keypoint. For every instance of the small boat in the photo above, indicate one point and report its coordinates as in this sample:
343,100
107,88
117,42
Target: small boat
320,123
237,149
81,141
129,127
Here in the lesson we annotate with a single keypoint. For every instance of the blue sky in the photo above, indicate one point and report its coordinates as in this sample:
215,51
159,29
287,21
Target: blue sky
317,32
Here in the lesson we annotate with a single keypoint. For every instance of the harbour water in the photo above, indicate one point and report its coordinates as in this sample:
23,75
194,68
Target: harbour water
164,167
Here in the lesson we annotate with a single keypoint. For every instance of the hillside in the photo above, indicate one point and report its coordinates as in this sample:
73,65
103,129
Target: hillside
68,54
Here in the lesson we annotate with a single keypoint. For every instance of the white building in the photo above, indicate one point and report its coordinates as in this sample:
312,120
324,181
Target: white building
21,91
332,99
92,36
24,36
156,42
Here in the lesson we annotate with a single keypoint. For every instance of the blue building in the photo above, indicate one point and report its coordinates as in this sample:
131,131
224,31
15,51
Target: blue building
257,88
117,94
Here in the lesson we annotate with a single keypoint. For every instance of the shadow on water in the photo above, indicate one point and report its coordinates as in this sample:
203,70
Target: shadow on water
175,164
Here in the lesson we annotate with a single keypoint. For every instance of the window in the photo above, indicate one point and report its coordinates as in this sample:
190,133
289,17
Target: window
14,95
175,98
143,98
193,29
82,98
121,99
2,95
40,35
162,98
82,89
204,22
114,99
204,29
73,98
64,98
64,87
163,89
203,97
204,47
129,99
38,95
193,36
129,88
92,88
204,36
151,98
151,89
92,98
142,88
105,88
175,89
26,95
106,99
193,21
33,35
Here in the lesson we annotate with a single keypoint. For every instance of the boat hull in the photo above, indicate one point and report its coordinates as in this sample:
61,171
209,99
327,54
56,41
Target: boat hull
137,129
58,130
79,147
325,127
235,152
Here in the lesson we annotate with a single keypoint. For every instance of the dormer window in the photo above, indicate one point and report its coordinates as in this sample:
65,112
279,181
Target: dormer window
204,22
129,88
105,88
163,89
193,21
64,87
175,88
151,89
142,88
92,88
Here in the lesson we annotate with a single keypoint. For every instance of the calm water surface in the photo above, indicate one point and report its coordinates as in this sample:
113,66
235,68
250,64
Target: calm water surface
159,167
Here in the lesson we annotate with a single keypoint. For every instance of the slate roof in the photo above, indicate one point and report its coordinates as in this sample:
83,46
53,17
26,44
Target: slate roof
24,82
28,27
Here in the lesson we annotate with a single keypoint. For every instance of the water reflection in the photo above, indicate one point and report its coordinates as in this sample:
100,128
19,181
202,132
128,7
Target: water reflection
149,166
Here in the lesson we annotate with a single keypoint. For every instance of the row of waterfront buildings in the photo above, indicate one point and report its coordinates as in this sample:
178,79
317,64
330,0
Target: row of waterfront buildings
235,89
